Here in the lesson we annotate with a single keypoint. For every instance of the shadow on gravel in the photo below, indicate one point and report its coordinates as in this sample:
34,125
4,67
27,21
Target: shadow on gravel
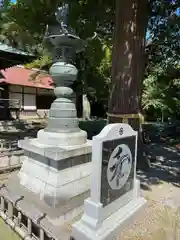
165,161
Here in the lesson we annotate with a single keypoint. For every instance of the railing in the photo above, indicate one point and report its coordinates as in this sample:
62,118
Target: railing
23,217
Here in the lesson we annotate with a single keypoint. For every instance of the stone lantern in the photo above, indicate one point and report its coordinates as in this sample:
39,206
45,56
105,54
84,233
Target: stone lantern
63,44
57,164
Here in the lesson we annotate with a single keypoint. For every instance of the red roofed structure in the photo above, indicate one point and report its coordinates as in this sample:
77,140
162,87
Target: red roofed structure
21,76
28,97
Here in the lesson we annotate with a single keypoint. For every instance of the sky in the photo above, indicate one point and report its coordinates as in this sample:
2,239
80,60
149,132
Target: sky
178,11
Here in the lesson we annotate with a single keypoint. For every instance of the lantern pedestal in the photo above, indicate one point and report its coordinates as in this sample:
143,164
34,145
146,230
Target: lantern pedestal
57,163
62,128
61,139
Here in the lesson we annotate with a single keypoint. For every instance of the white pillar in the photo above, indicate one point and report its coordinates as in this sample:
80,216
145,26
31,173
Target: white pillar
29,227
2,204
10,209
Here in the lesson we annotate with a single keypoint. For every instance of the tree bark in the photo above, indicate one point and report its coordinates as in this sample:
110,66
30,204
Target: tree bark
128,66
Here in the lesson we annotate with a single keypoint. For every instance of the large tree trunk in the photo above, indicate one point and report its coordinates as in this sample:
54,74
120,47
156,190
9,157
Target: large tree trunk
128,66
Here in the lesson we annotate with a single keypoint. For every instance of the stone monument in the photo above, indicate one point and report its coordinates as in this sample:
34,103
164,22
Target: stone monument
115,191
57,163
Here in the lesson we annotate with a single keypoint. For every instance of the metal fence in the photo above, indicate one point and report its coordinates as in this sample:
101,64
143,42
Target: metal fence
23,217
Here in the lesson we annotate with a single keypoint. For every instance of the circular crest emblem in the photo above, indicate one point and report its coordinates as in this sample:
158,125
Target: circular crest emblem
119,166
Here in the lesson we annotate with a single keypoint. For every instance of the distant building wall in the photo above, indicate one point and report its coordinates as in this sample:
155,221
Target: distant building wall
31,99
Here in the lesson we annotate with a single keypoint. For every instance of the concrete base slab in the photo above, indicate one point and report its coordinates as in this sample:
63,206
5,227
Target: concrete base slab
110,227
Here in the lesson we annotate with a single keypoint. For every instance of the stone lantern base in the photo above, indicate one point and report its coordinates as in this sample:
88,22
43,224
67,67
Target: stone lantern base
60,177
62,139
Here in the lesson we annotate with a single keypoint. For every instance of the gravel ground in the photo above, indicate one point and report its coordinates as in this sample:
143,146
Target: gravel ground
5,175
159,221
161,187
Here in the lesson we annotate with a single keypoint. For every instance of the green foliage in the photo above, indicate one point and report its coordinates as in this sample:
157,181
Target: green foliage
94,66
164,26
152,96
161,93
44,62
6,232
